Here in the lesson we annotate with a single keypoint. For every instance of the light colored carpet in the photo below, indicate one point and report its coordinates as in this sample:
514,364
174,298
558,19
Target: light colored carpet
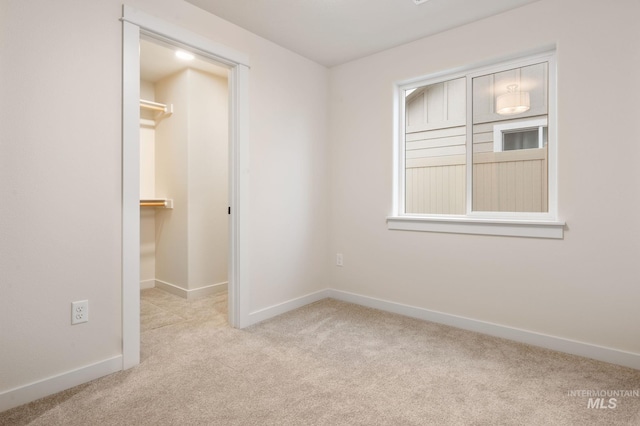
332,363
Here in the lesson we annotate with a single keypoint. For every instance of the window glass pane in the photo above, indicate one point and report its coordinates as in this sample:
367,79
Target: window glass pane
526,139
435,148
510,155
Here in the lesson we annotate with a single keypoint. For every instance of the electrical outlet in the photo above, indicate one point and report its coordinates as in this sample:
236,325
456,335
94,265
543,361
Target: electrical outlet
339,260
79,312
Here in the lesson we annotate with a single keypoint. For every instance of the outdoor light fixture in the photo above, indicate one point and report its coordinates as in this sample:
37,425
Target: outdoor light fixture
513,102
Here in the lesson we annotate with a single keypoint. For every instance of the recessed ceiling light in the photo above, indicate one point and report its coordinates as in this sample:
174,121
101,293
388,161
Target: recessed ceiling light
185,56
420,1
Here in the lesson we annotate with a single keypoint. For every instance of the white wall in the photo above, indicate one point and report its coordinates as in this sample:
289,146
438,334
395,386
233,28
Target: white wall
60,177
172,181
208,180
584,287
147,143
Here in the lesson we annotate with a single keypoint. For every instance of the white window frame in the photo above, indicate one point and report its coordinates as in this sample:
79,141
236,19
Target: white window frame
499,131
526,224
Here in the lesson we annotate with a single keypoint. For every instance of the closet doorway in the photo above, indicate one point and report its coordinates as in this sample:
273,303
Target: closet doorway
137,26
184,140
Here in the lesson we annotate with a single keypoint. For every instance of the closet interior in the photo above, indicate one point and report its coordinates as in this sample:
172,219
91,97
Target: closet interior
183,172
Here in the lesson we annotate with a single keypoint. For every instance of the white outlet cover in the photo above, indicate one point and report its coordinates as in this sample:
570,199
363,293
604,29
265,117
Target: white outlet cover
79,312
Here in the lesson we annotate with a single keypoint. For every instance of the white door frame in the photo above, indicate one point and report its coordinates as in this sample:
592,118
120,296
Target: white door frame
136,23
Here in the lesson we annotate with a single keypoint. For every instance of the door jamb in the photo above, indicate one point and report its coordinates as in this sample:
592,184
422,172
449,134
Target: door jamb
136,23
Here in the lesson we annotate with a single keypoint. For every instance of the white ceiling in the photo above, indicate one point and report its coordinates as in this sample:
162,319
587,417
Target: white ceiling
332,32
158,60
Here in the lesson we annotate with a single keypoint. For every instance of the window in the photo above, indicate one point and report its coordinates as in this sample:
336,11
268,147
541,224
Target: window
476,151
525,134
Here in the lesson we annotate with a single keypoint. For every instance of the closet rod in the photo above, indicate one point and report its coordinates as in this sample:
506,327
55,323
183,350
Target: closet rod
166,203
153,203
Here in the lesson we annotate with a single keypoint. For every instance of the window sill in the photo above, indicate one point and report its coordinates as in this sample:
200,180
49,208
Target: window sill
479,226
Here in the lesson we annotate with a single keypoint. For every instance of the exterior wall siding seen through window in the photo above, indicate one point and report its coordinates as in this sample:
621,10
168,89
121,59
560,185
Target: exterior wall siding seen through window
509,156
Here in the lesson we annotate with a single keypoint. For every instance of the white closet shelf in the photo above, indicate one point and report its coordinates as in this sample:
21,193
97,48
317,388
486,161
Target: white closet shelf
161,110
164,203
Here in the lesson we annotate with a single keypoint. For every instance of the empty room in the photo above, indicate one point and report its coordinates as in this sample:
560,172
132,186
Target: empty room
324,212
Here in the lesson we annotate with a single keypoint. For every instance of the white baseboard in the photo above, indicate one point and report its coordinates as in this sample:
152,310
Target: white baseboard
27,393
281,308
614,356
194,293
145,284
